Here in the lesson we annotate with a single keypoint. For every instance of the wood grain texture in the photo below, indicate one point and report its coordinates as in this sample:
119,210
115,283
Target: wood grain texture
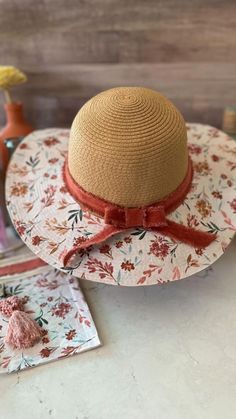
73,49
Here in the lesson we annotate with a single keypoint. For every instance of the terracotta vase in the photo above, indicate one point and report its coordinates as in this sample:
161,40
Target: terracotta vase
16,126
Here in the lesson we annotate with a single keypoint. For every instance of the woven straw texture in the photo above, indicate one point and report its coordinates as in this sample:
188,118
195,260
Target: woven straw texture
128,145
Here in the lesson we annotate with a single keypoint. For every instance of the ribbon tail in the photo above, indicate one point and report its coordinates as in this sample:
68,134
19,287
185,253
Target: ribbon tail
108,231
196,238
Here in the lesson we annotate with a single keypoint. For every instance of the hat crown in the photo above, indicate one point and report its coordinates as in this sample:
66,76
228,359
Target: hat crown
128,145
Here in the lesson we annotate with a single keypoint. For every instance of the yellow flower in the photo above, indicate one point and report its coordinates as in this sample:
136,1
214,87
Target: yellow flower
10,76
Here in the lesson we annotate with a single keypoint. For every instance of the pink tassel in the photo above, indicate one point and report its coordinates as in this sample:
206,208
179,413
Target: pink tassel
10,304
23,332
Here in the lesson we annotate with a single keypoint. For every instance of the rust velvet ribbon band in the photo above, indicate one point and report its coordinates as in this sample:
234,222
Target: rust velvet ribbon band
153,217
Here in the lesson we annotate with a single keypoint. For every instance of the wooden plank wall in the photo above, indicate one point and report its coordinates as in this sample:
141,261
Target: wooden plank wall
72,49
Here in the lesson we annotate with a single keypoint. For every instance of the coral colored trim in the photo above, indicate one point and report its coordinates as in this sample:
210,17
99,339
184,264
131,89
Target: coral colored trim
107,232
196,238
151,217
100,206
18,268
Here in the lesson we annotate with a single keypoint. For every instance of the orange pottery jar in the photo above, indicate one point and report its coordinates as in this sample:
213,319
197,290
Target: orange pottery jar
16,126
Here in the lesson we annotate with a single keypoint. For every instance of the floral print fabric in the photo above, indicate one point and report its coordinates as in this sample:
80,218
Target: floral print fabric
56,302
50,222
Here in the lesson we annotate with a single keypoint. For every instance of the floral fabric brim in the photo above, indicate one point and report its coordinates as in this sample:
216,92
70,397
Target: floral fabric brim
56,302
50,222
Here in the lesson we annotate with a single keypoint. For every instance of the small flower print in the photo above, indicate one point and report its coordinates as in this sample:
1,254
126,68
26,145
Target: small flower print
105,249
49,284
119,244
127,266
159,248
215,158
20,228
217,194
71,334
199,252
36,240
204,208
79,240
202,168
61,310
51,141
194,149
46,352
53,160
128,239
19,189
45,339
63,189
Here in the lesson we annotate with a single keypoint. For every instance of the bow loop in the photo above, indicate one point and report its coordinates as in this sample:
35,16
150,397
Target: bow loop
153,216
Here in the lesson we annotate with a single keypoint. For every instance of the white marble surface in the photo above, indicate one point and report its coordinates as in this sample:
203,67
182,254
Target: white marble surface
169,353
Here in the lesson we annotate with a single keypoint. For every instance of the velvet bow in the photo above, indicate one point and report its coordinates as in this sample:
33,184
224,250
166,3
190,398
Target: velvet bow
135,217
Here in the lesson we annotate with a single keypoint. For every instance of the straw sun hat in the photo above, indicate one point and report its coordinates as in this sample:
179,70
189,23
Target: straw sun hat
130,195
